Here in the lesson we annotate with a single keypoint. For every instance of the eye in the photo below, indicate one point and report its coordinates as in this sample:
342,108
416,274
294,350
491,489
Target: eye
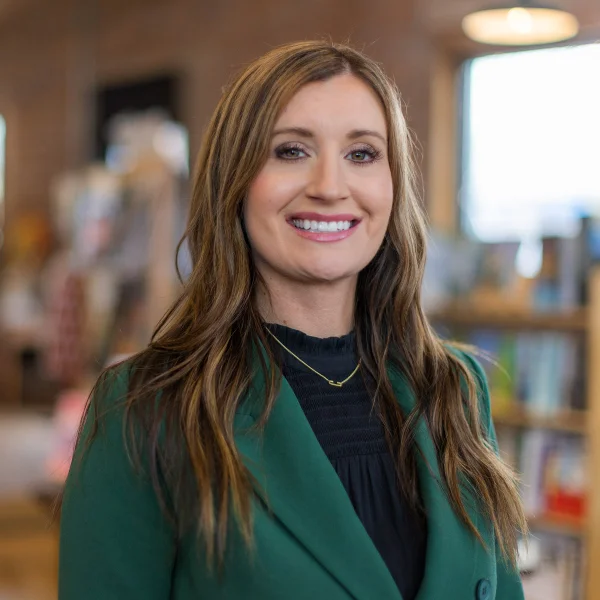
364,155
290,152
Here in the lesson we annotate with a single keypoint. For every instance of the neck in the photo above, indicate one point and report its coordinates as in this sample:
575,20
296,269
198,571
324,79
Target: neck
317,310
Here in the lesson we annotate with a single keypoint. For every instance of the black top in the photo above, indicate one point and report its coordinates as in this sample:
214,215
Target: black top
352,437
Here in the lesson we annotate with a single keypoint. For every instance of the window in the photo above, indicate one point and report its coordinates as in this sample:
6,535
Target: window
531,143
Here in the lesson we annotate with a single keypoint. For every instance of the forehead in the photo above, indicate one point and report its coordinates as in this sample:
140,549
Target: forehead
343,101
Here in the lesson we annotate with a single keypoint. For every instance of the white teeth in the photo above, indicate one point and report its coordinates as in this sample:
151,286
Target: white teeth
322,226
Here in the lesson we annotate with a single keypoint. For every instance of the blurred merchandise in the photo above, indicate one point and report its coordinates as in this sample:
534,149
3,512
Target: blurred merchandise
85,289
534,274
543,373
554,571
539,359
26,247
68,411
28,240
94,281
119,227
135,136
21,309
66,352
553,467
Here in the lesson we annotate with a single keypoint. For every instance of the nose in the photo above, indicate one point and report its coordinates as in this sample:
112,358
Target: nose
327,179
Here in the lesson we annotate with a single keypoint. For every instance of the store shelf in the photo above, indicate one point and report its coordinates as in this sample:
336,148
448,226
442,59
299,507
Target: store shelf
574,527
468,316
566,421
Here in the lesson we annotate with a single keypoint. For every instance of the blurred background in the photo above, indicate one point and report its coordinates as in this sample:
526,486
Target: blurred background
102,108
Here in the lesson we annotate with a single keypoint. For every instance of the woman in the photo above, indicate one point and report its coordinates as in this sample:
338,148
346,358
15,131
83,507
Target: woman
368,471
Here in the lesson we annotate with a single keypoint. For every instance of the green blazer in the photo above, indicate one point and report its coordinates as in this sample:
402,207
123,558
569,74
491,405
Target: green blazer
115,543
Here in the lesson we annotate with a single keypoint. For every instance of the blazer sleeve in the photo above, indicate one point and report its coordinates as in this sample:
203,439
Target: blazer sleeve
114,540
509,585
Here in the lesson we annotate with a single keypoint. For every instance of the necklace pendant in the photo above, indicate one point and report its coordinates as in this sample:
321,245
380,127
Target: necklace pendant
336,384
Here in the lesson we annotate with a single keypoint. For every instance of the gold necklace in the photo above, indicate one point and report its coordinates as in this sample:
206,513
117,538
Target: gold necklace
337,384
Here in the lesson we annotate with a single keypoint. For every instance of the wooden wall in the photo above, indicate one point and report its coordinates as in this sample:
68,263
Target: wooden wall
53,53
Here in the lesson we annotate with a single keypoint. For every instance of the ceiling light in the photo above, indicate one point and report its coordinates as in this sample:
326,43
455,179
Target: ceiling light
526,23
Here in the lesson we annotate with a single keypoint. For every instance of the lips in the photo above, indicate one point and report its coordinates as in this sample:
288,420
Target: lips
324,231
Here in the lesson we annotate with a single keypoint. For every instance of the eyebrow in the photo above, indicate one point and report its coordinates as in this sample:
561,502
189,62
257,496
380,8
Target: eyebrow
307,133
356,133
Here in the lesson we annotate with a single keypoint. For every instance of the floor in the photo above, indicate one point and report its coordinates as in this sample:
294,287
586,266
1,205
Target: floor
28,540
28,551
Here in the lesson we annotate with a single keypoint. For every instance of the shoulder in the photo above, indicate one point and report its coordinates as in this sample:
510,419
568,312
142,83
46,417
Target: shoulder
106,419
475,368
107,395
112,385
118,389
477,372
107,400
112,440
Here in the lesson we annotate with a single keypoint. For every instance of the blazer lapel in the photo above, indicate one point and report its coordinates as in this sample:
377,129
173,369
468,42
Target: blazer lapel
303,490
454,555
300,486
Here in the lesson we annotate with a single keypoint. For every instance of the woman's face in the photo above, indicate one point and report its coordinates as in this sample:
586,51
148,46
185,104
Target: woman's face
318,210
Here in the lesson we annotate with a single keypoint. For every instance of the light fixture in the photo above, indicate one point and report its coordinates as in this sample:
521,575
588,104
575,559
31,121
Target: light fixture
525,23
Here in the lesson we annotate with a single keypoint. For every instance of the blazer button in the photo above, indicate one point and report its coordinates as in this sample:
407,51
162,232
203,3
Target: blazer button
484,590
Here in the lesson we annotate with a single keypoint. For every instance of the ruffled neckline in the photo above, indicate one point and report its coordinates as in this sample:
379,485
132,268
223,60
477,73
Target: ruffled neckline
302,343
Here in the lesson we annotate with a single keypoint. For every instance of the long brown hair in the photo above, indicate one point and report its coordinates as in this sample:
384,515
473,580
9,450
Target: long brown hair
198,362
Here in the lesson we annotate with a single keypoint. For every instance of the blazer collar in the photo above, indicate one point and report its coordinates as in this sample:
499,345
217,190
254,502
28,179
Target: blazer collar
454,555
301,487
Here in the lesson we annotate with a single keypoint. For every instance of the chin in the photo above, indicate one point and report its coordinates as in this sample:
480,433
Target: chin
331,274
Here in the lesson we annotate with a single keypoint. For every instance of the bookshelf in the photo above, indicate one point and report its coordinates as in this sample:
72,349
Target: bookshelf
572,528
580,423
593,370
568,421
474,316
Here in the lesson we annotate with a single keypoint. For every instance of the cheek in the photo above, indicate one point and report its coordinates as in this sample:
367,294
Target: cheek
267,197
380,199
269,193
258,197
257,209
388,195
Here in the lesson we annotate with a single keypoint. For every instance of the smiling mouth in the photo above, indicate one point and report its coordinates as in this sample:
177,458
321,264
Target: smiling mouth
323,226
